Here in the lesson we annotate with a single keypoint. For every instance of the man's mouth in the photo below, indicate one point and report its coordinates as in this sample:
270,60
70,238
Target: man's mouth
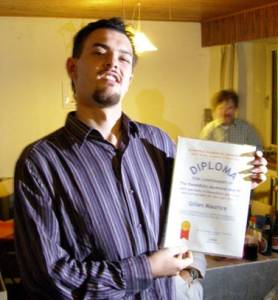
110,76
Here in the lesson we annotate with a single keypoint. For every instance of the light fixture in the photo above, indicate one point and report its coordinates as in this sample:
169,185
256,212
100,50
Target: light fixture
141,42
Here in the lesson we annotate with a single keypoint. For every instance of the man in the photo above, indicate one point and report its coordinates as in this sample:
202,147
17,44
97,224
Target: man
91,198
226,127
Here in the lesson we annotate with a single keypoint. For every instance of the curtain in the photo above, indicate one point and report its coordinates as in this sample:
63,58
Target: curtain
229,67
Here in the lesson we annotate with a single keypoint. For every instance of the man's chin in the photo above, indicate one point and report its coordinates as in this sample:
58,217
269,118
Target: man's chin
104,99
227,121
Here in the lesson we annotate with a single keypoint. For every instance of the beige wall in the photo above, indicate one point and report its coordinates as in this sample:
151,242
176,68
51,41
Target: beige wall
255,78
170,88
251,82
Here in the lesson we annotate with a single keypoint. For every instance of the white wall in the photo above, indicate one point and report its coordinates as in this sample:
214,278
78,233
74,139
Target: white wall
170,88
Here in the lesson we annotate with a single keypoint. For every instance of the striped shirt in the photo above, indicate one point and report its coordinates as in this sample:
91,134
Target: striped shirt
240,132
88,214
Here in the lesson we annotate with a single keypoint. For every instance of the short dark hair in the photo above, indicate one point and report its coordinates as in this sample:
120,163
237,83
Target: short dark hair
225,95
113,23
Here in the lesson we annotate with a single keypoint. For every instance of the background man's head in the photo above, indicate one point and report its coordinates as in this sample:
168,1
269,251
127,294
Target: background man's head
225,105
102,62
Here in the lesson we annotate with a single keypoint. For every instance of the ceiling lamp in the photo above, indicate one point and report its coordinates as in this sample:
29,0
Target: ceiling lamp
141,41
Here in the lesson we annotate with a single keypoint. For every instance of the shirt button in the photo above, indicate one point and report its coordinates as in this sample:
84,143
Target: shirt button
139,226
131,191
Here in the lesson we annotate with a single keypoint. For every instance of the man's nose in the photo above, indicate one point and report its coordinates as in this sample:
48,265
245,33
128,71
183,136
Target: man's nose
111,61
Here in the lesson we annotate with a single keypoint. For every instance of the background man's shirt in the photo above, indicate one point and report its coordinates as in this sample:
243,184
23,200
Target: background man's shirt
239,132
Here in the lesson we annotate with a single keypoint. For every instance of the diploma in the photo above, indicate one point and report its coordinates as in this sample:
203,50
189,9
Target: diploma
209,197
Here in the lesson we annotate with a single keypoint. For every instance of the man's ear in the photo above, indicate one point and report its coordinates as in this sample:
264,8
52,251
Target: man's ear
71,67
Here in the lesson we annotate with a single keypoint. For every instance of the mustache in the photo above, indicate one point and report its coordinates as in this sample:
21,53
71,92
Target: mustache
109,73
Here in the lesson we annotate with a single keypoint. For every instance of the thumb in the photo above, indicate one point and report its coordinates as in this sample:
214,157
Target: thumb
178,250
188,260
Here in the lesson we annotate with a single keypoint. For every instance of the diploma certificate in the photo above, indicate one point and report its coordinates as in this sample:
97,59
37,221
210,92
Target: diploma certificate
209,197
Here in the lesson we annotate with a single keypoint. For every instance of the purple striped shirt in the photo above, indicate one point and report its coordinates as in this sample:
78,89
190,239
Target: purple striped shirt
88,214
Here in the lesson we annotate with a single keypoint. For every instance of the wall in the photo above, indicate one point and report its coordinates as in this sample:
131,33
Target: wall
250,82
171,85
170,88
255,75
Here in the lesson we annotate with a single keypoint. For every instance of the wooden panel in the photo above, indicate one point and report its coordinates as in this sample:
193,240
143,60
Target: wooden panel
162,10
247,25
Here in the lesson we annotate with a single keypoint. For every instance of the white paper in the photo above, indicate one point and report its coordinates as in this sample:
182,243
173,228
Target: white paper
209,197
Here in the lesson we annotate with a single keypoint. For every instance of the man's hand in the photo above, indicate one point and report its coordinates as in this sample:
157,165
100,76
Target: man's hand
170,261
259,169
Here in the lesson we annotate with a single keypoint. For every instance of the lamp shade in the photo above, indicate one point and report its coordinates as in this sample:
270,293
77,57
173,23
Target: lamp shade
142,43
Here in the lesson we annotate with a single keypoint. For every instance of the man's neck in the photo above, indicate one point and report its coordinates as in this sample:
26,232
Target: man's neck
225,124
106,120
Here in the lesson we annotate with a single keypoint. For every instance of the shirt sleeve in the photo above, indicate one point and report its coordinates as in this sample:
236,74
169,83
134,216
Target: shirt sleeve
206,133
47,269
199,263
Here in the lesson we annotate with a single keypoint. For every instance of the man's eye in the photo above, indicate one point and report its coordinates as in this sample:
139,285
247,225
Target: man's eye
125,59
98,52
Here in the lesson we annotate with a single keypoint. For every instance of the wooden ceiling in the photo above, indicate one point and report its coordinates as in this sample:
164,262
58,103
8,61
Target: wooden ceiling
154,10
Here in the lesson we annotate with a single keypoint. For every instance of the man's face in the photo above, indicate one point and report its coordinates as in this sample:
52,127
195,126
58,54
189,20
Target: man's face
103,72
225,112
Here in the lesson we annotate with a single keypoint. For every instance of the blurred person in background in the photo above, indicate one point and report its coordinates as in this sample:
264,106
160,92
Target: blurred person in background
226,127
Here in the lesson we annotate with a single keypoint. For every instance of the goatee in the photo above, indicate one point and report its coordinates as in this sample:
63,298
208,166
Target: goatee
105,100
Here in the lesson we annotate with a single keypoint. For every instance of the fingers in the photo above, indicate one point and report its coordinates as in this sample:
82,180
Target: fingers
188,260
259,170
259,158
175,251
185,260
184,257
170,261
259,153
257,179
261,161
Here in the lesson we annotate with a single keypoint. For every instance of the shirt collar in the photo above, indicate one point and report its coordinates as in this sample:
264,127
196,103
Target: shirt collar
129,126
80,131
219,124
